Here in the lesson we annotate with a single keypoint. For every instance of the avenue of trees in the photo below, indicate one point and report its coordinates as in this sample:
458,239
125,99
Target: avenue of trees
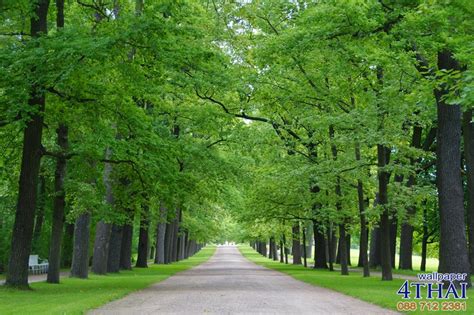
137,130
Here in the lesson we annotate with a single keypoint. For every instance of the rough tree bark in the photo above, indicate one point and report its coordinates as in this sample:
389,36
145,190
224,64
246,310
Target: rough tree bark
103,229
375,246
182,244
468,132
58,207
296,247
331,243
342,247
168,242
180,236
424,240
101,247
383,156
66,251
406,231
186,242
143,239
126,247
343,250
274,250
17,275
80,255
305,259
160,236
285,249
309,239
364,233
115,244
453,252
39,213
282,251
174,248
393,239
320,260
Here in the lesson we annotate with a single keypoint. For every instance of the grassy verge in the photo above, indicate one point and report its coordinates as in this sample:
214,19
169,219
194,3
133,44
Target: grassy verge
431,263
372,290
75,296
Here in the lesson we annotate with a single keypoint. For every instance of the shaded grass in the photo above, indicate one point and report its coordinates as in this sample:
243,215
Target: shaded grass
372,289
431,263
75,296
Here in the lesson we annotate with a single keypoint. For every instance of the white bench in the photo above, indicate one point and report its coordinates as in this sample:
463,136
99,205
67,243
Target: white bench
35,267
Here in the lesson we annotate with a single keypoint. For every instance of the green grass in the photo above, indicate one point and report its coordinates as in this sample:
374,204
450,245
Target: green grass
75,296
372,290
431,263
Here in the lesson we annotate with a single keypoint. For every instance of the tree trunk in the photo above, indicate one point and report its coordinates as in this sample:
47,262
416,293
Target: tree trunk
285,249
101,248
406,231
364,233
179,249
338,253
41,200
58,208
305,260
17,275
453,252
80,255
468,132
186,242
343,250
393,239
160,236
320,260
424,240
383,155
160,243
331,243
406,243
174,252
66,256
192,247
296,248
309,239
274,252
184,239
143,240
375,246
103,229
168,242
270,248
348,248
115,244
282,251
263,248
126,247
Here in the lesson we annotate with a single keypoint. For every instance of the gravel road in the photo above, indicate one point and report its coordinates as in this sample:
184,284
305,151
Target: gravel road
230,284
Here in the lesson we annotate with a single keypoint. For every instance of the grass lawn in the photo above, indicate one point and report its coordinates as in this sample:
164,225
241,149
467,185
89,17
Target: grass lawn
373,290
431,263
75,296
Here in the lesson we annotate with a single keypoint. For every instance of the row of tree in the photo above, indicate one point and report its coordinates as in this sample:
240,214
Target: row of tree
361,115
352,117
97,122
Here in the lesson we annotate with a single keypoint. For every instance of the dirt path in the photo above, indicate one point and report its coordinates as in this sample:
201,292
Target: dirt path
230,284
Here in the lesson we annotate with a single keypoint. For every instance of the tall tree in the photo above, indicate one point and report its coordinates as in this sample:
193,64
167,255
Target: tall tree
17,275
453,252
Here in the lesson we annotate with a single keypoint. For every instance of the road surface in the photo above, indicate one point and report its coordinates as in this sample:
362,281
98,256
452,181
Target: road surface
230,284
